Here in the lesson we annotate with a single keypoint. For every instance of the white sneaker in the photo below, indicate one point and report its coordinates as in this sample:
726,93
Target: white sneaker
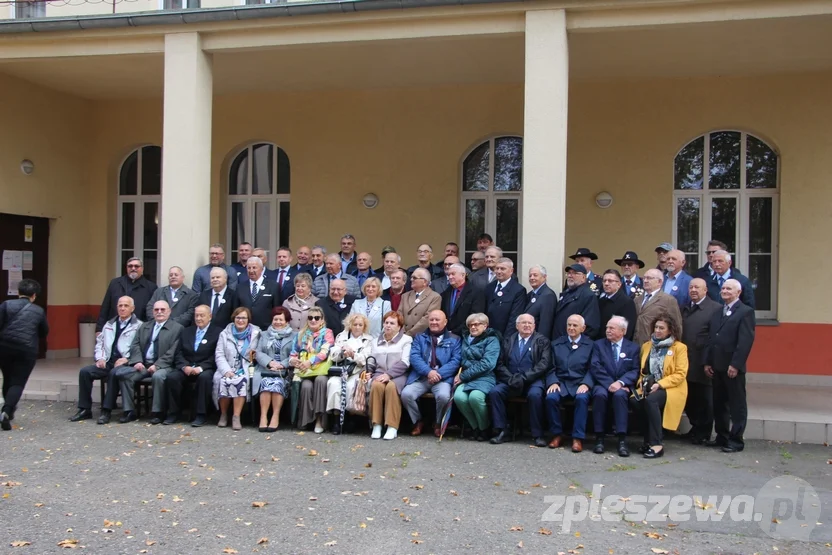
319,430
376,432
391,433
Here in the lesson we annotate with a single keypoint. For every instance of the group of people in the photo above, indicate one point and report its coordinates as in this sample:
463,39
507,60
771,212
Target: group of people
327,328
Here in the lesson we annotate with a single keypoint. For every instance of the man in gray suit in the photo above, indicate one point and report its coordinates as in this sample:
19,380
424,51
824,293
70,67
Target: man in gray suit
697,316
320,287
152,353
180,297
650,304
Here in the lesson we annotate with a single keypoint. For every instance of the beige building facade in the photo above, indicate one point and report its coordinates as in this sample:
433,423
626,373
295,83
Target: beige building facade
699,119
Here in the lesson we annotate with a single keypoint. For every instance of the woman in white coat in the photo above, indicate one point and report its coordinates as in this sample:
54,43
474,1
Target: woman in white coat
372,306
353,345
235,351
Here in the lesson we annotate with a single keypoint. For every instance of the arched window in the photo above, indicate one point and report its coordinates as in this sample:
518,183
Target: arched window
258,199
139,200
492,198
726,188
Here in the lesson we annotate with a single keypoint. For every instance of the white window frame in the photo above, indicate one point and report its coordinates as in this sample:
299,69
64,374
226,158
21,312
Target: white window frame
138,217
13,6
249,200
743,196
187,5
491,197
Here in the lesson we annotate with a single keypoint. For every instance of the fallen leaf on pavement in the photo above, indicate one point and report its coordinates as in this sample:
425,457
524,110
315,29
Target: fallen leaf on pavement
417,486
148,543
68,544
262,541
330,544
520,545
516,529
312,453
653,535
259,504
659,551
230,550
544,532
20,543
523,492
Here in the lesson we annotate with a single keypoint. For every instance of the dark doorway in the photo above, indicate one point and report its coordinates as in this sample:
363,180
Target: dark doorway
26,234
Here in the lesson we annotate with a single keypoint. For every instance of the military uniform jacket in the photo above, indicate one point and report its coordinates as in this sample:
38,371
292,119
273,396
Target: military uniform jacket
580,300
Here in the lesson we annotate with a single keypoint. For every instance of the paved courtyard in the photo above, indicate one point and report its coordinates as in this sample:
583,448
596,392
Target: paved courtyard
137,488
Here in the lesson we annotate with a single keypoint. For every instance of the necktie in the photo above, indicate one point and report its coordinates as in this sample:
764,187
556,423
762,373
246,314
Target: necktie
199,335
433,362
417,295
280,280
615,353
499,288
725,310
721,281
646,298
629,283
253,290
173,295
521,346
151,349
454,297
216,304
490,276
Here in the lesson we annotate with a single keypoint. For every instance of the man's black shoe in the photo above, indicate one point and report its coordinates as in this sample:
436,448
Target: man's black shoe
128,416
156,420
623,451
499,438
199,421
105,417
171,419
82,414
539,442
599,446
733,448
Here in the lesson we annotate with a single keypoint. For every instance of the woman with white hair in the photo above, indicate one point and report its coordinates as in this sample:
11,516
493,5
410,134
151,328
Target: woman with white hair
371,306
350,352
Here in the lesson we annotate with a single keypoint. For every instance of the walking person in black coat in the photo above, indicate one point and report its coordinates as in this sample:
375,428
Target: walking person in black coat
731,337
22,324
696,318
615,301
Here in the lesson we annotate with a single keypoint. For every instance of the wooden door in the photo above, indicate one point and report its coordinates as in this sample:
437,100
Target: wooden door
16,235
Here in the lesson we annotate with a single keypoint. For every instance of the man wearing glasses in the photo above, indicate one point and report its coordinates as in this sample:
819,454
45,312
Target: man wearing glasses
706,272
216,259
441,284
418,303
133,284
424,254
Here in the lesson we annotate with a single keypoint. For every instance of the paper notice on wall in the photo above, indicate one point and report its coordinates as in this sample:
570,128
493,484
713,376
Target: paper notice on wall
28,232
27,261
14,280
10,258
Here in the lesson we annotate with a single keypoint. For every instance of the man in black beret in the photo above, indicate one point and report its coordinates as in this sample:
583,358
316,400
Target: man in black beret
584,257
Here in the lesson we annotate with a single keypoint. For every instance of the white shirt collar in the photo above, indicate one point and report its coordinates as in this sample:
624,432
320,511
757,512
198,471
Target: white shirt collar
221,292
504,283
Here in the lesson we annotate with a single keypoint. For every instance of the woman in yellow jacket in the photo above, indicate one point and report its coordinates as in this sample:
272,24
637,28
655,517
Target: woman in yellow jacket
664,364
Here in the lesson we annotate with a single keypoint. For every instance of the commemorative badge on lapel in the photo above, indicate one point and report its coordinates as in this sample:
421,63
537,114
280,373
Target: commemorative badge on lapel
500,294
670,353
262,288
222,301
728,313
204,341
343,305
675,288
622,355
534,300
574,346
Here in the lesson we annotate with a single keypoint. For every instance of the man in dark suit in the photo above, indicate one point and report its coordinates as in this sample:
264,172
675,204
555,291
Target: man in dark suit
424,255
257,294
460,300
284,275
577,298
696,317
304,256
221,298
243,253
721,262
584,257
706,272
336,306
180,297
615,302
347,254
630,264
541,302
729,345
570,378
484,276
504,298
152,353
195,364
318,266
133,284
525,358
614,368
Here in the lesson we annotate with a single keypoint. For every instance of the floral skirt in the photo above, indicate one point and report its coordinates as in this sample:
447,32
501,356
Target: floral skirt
234,387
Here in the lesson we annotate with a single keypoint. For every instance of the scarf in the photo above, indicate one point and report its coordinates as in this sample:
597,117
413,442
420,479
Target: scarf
658,351
245,337
274,339
310,342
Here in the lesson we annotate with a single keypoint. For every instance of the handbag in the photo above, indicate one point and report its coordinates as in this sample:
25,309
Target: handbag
320,369
647,382
359,401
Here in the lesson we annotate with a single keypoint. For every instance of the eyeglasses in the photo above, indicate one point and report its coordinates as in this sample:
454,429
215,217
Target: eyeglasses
314,318
414,278
134,265
710,252
420,251
241,318
476,325
159,309
448,265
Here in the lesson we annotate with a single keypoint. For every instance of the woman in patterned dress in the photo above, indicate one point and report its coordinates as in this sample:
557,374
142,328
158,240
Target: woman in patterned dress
310,358
272,356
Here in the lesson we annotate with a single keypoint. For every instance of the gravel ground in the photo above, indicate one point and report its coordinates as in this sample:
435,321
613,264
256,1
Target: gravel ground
136,488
